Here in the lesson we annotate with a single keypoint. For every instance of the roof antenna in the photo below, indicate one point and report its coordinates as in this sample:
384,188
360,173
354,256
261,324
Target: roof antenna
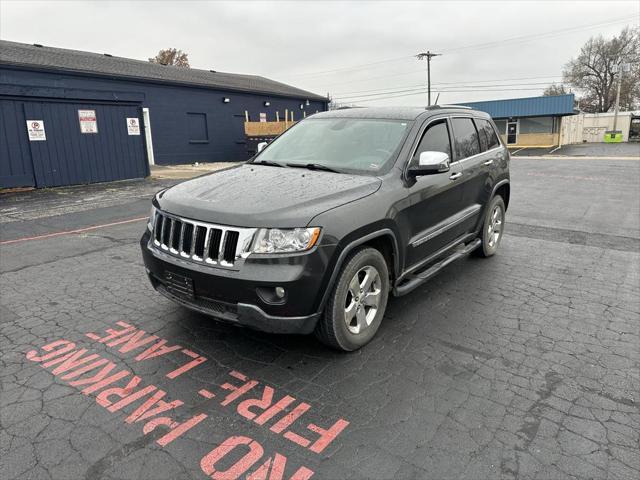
437,97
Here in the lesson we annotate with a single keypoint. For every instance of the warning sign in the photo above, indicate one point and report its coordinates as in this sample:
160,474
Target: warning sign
133,126
35,128
88,121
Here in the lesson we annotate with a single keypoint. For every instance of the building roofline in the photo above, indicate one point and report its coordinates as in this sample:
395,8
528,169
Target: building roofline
35,57
84,73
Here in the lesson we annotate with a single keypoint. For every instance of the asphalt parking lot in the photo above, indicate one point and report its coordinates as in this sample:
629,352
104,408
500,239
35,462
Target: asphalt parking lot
525,365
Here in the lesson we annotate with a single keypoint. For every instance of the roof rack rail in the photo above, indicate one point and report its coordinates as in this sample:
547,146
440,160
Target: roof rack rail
37,45
436,107
107,55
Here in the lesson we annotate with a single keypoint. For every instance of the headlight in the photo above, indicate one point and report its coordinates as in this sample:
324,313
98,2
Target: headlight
152,218
276,240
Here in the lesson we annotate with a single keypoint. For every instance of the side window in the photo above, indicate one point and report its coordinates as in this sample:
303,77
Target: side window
466,138
482,135
487,132
435,139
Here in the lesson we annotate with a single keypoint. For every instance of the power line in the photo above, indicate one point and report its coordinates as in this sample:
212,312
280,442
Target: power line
437,83
355,67
452,88
454,83
522,38
445,91
537,35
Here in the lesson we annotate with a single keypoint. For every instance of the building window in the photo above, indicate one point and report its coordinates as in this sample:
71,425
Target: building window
197,128
536,125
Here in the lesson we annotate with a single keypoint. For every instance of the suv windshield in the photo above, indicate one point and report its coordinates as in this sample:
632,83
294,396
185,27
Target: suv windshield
353,145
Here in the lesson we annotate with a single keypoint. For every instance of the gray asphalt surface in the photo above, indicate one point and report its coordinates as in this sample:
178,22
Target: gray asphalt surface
525,365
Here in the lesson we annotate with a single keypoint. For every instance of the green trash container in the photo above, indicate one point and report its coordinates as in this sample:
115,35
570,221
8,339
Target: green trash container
613,136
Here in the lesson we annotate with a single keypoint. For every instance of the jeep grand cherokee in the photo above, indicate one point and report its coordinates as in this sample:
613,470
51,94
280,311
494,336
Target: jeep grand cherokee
344,208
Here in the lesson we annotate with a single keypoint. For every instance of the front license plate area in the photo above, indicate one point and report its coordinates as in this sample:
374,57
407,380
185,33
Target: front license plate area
179,284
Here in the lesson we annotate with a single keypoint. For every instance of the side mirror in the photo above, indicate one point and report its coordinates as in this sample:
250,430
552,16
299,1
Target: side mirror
261,146
430,163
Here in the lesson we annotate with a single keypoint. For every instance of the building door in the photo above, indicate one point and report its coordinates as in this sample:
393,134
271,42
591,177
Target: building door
86,143
512,132
240,139
16,169
634,129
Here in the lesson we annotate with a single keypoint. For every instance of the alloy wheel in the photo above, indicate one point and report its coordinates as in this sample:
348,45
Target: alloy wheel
494,229
363,299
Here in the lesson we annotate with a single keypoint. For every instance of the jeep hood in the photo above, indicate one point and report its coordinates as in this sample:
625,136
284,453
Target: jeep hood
263,196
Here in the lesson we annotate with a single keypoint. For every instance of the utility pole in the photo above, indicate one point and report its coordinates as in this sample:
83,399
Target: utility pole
428,55
623,67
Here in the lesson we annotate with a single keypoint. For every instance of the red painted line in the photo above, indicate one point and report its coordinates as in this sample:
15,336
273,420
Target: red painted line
206,393
71,232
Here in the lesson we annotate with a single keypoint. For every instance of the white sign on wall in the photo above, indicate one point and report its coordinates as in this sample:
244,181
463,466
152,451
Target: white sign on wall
35,129
88,121
263,117
133,126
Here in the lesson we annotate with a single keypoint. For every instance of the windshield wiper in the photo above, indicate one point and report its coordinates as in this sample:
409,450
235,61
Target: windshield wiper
313,166
268,162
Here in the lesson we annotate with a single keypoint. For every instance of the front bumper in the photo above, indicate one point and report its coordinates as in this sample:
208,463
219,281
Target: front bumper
237,296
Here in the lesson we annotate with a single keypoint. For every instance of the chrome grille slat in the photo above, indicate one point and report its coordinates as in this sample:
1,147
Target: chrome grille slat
171,229
207,239
223,241
181,238
193,240
157,226
200,242
166,226
176,233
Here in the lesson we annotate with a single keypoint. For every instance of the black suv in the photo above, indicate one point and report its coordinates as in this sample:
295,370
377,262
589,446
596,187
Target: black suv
345,207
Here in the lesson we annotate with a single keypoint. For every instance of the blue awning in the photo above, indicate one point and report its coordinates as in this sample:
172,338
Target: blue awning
555,105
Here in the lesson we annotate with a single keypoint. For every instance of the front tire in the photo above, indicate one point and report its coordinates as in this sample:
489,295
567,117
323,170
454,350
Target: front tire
357,303
492,228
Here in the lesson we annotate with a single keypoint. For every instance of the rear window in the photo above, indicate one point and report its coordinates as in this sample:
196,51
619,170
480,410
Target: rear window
488,137
466,137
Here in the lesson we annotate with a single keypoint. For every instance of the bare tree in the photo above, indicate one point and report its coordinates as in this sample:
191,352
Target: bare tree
592,71
555,89
171,56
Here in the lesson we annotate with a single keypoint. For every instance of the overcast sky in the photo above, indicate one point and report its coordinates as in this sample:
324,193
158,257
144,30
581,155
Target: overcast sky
331,46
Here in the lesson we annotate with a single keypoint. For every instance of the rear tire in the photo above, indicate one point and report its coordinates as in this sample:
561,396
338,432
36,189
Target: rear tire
492,228
357,303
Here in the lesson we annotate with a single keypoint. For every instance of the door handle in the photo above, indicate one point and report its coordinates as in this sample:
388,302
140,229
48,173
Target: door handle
488,162
455,176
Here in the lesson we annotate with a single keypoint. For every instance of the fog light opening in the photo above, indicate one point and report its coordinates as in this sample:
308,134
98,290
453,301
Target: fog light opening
280,292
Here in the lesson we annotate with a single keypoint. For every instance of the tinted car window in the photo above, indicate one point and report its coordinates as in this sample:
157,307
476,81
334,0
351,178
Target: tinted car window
487,134
482,135
435,139
466,137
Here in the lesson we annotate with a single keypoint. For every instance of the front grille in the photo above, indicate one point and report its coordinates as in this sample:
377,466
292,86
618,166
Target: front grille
200,242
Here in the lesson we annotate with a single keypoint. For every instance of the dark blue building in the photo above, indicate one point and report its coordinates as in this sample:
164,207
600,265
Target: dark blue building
71,117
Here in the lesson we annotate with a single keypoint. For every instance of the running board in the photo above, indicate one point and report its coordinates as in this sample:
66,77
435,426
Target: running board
417,279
